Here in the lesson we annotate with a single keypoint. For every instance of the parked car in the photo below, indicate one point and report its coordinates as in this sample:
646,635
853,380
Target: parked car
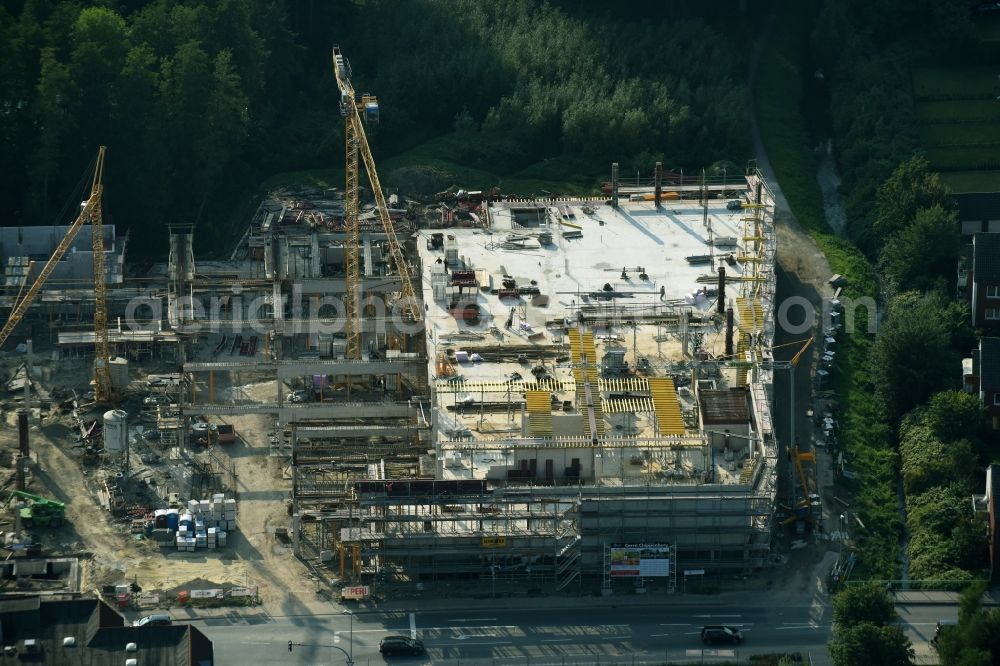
734,204
721,634
156,400
400,645
155,620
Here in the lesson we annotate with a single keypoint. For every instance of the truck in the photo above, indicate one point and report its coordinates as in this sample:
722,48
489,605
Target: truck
38,510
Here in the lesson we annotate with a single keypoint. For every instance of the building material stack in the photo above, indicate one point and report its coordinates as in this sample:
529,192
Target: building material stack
206,523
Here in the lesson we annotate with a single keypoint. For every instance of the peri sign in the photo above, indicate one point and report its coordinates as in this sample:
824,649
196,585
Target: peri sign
644,560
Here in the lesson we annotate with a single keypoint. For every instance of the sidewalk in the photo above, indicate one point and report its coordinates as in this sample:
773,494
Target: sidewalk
940,598
319,608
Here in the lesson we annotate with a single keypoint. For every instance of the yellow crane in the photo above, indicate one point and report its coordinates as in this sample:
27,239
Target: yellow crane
357,142
90,211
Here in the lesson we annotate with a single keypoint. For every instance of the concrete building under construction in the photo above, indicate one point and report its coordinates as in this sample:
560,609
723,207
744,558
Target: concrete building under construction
587,395
599,375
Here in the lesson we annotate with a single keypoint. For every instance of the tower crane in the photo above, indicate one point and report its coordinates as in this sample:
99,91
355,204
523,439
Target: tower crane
90,211
357,142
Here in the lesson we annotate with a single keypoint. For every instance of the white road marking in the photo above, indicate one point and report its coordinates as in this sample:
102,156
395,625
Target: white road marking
483,626
801,626
718,616
557,640
490,643
659,634
413,626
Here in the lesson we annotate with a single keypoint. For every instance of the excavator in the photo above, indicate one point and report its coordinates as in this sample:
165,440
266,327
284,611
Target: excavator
38,510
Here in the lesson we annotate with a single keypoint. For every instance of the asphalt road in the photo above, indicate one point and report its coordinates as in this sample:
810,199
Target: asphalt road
639,634
919,622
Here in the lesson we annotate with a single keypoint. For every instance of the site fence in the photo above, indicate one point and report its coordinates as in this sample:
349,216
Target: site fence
929,585
695,656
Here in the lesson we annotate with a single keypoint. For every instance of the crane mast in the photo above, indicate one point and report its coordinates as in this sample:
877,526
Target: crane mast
102,374
90,212
356,141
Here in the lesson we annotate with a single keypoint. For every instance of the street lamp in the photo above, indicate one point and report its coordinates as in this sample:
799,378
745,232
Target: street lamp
350,658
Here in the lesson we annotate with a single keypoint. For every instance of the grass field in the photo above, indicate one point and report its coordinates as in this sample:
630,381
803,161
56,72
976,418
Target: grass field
955,82
959,116
953,158
952,111
961,134
972,181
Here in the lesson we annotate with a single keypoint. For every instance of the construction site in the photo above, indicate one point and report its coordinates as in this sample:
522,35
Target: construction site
381,391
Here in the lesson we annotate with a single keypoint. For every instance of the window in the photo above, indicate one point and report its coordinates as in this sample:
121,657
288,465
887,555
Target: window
992,314
996,399
993,291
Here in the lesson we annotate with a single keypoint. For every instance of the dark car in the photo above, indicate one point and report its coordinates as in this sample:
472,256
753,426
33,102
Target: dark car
734,204
396,645
721,634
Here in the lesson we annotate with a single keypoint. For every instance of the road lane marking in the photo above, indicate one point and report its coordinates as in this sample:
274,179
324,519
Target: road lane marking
413,626
483,626
659,634
718,616
557,640
803,626
464,644
474,619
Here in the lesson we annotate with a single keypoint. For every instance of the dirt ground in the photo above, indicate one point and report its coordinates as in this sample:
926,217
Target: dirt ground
110,555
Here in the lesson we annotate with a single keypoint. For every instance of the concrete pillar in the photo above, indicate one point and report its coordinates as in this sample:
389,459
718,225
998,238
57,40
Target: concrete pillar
22,447
729,333
614,184
658,176
722,289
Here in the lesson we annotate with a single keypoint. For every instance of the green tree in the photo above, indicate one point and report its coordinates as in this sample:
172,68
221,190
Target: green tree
858,604
866,643
954,415
57,120
911,188
912,356
975,641
928,461
924,252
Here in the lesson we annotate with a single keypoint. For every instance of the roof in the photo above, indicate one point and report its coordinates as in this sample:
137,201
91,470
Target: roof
978,206
101,634
986,257
724,406
989,364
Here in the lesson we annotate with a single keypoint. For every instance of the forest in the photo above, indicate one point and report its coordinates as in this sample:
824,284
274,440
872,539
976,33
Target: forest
201,101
